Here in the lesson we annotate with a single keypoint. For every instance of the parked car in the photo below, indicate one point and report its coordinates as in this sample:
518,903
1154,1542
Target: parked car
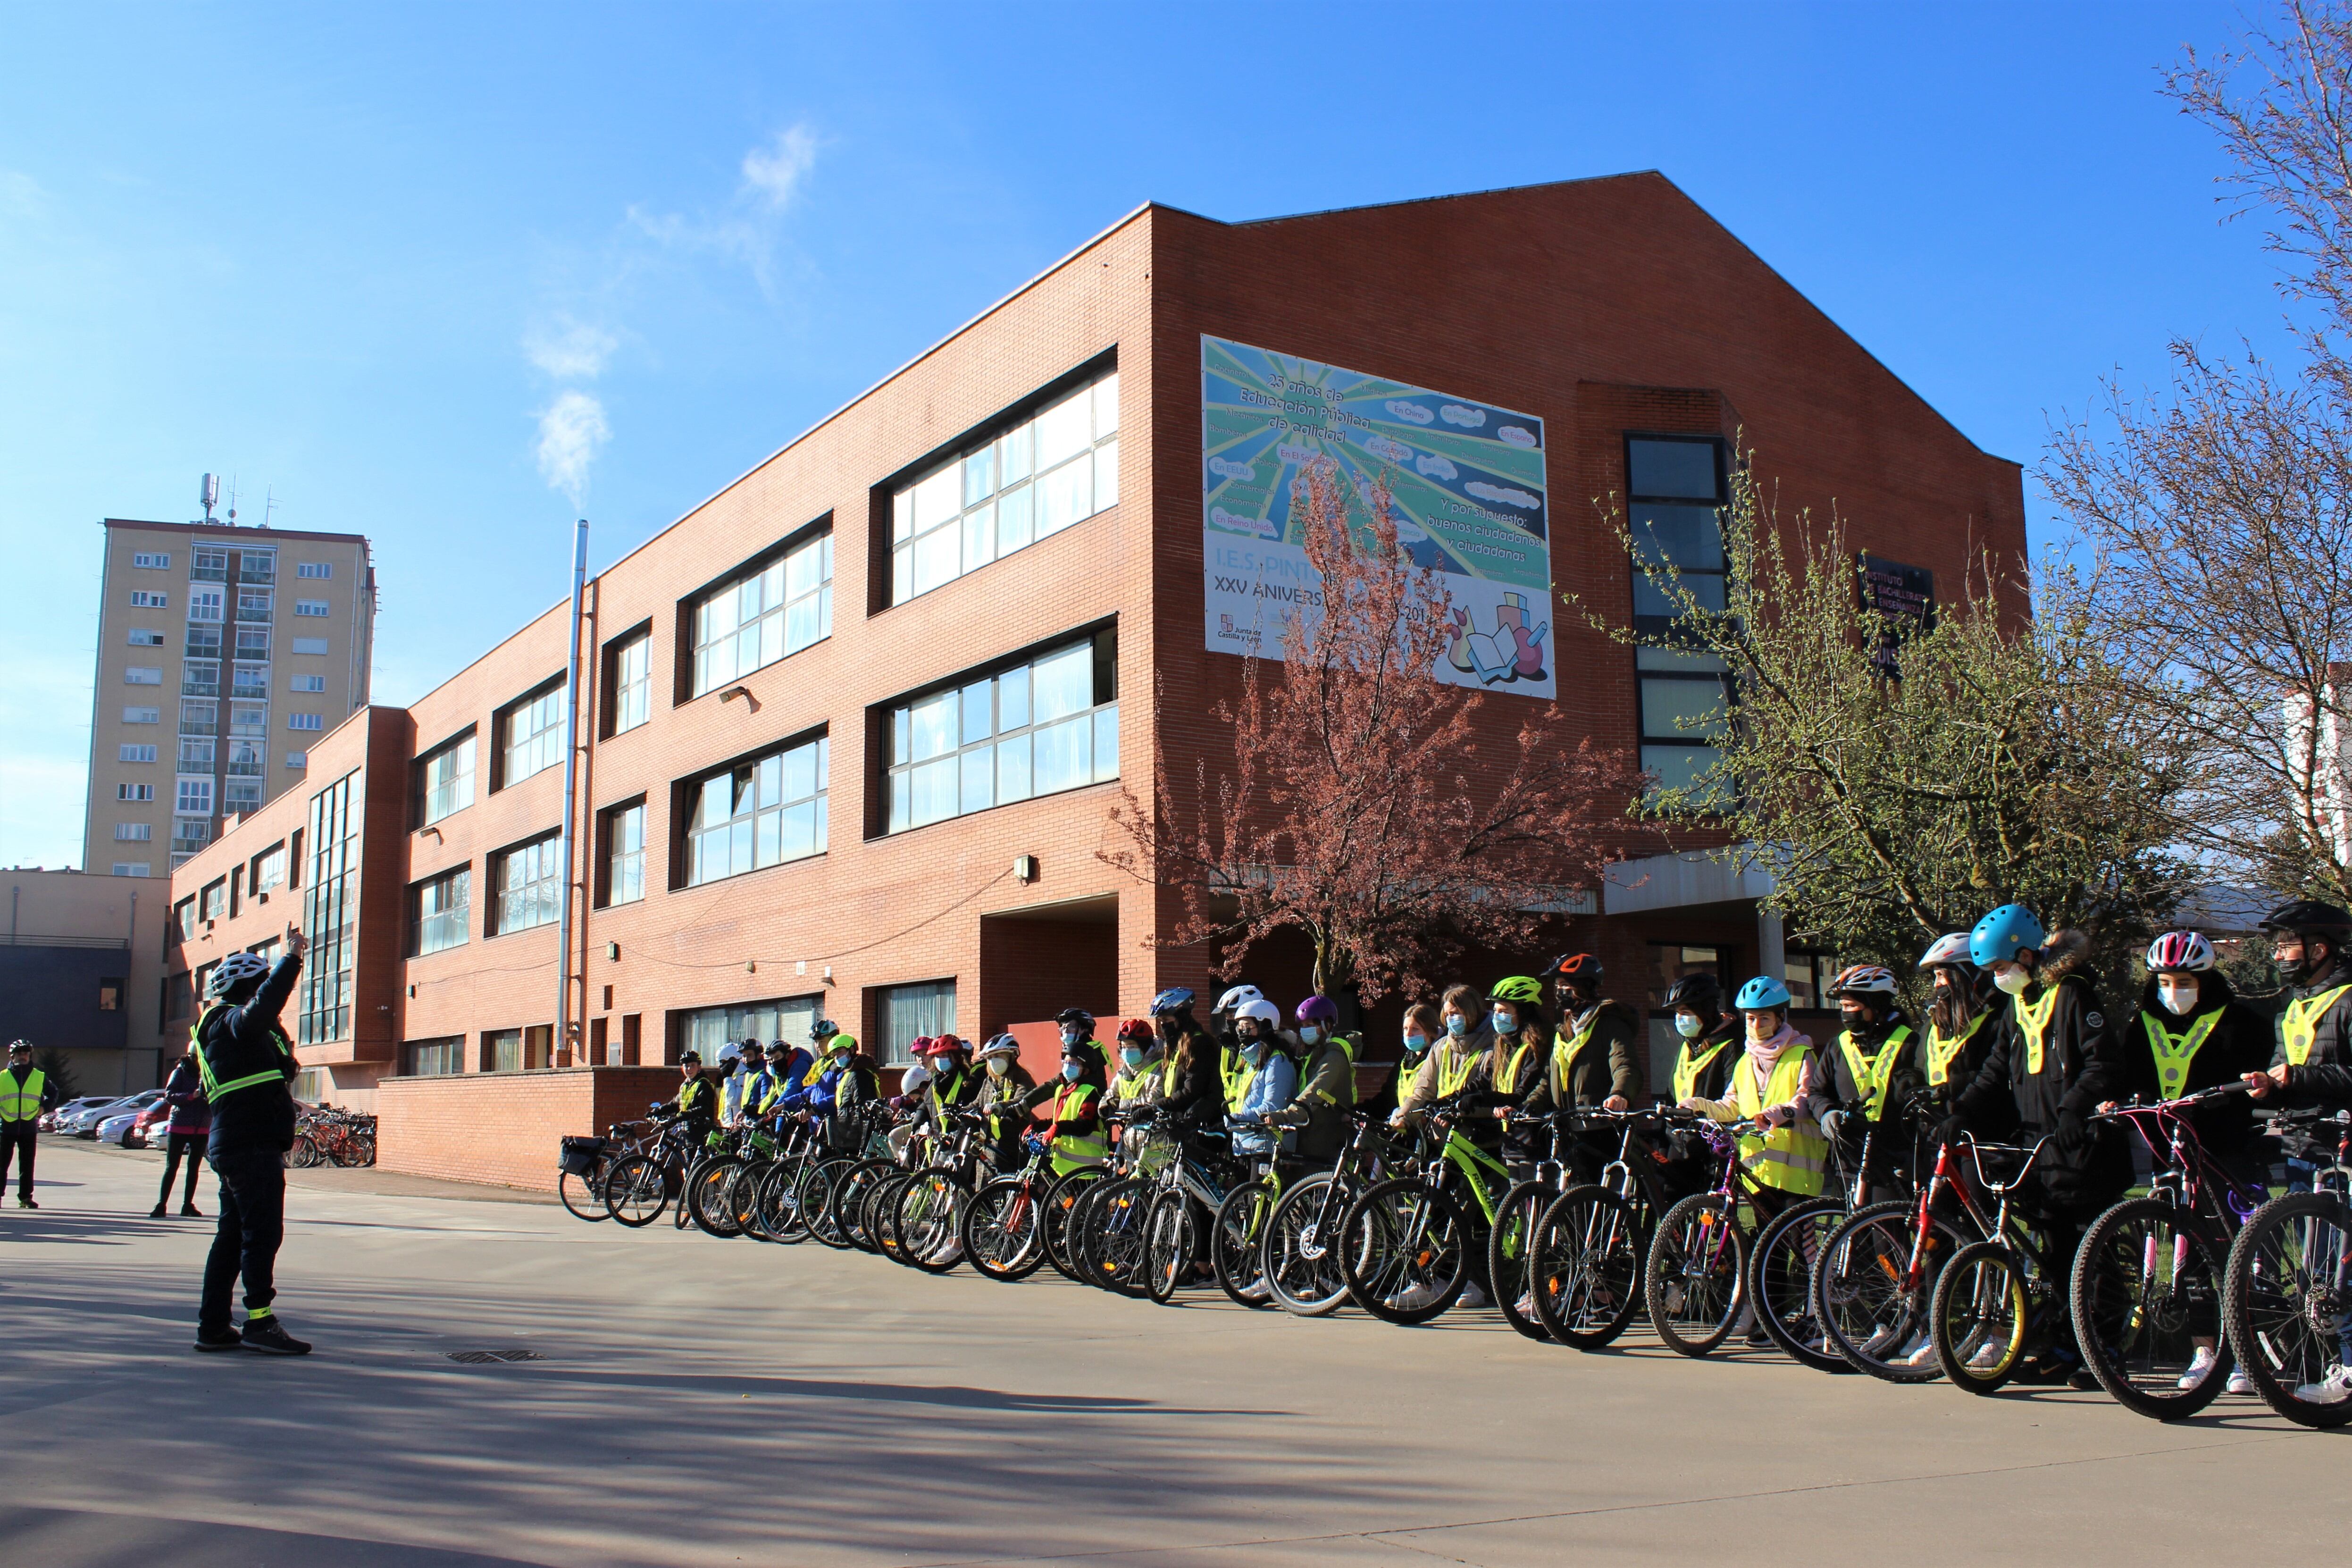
129,1128
85,1124
153,1123
50,1120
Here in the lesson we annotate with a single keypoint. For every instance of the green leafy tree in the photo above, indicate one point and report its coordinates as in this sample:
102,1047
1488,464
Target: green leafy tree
55,1067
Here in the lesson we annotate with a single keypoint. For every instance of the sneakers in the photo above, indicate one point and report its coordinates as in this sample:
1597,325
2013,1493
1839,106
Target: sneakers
1920,1352
24,1202
2332,1389
1471,1296
1413,1298
220,1339
268,1336
2201,1367
2239,1382
1989,1355
187,1211
156,1213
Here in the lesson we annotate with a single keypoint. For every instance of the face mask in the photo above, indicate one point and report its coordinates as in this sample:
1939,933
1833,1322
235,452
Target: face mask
999,1065
2179,996
1308,1034
1131,1055
1073,1071
1505,1022
1072,1035
2296,971
1762,1025
1254,1049
2013,980
1456,1024
1415,1042
1689,1025
1853,1017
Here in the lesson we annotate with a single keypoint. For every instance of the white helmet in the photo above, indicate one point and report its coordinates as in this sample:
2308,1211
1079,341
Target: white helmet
1264,1010
234,970
2181,949
1238,996
1952,947
1002,1046
1863,980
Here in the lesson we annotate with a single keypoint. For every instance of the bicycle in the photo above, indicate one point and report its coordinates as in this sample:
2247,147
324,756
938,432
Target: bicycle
1238,1230
927,1226
2287,1303
1300,1254
1590,1247
779,1204
1408,1242
640,1186
2147,1280
1781,1258
1009,1229
1696,1279
1994,1300
581,1164
1507,1240
1873,1284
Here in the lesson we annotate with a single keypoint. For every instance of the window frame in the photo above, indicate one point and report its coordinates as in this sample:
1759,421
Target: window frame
608,822
685,678
455,916
494,906
550,736
610,682
686,792
1664,667
890,1049
313,609
421,771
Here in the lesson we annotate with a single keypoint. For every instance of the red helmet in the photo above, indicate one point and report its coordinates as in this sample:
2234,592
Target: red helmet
944,1045
1137,1029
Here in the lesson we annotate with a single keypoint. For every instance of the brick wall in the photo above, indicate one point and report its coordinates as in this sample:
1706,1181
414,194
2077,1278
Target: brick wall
502,1129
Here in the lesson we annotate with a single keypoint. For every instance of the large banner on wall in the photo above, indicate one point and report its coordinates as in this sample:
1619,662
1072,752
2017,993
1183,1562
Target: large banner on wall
1468,478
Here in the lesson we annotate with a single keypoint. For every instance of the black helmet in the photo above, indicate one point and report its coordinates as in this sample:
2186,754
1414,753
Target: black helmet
2308,916
1577,969
1700,993
1077,1015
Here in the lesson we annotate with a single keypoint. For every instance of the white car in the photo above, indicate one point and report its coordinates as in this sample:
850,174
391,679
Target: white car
84,1124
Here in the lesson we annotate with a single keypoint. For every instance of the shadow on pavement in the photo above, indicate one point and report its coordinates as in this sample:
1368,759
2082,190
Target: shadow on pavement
69,1538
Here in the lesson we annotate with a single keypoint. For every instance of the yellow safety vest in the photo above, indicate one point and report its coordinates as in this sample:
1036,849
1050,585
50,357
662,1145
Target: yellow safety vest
1453,1068
1234,1070
1688,1068
1941,1052
1789,1158
2034,1018
938,1106
1345,1047
1564,1053
1507,1080
2175,1052
1069,1151
1873,1076
21,1102
214,1088
2299,1026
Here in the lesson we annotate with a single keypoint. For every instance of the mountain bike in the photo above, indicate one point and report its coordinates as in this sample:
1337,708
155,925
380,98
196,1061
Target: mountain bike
722,1188
837,1188
1781,1258
1509,1239
1591,1244
1874,1282
781,1204
2147,1280
1105,1225
2288,1302
1999,1300
1238,1225
581,1165
1696,1279
1151,1244
1409,1244
640,1186
1300,1249
1009,1226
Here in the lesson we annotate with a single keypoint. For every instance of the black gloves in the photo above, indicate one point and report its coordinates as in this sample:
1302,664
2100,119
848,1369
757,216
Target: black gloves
2074,1132
1948,1129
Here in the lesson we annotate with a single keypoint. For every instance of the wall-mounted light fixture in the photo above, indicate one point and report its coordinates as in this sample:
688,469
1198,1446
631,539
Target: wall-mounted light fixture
1025,867
732,692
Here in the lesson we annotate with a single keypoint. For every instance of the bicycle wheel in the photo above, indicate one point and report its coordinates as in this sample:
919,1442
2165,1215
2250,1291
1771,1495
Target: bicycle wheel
1059,1201
1082,1229
783,1216
2286,1306
1301,1261
849,1194
1696,1281
1109,1252
707,1196
1872,1308
1171,1244
583,1197
1004,1230
1780,1280
1237,1243
1506,1256
1585,1263
879,1209
2146,1289
1979,1317
636,1190
304,1154
820,1200
929,1224
1405,1250
363,1149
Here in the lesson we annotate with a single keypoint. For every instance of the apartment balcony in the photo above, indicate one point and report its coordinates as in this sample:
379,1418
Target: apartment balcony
192,725
200,688
258,690
262,614
208,573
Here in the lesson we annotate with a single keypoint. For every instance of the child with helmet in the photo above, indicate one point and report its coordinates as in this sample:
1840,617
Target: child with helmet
1773,1084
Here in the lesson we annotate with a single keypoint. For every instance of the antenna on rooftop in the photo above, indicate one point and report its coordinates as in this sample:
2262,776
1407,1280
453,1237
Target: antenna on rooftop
232,500
208,492
268,502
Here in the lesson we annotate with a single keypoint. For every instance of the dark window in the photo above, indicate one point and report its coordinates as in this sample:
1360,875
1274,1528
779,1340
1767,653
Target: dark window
527,884
1676,488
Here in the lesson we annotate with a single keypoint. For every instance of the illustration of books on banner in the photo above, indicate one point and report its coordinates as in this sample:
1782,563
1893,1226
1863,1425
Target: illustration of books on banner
1512,651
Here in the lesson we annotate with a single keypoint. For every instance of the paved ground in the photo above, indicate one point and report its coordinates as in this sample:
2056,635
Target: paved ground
705,1402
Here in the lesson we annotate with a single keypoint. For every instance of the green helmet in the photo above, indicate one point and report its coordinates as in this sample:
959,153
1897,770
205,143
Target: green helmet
1517,988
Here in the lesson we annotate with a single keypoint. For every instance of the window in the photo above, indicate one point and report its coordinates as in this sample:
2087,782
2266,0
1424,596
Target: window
434,1058
1040,727
444,780
311,607
179,997
134,833
130,754
1809,974
183,917
531,735
310,644
144,636
910,1011
200,678
1033,480
204,642
253,643
110,994
203,605
154,563
306,683
305,721
195,796
213,902
132,869
1674,487
142,715
249,680
269,868
257,566
760,813
253,723
297,759
321,570
256,604
148,599
142,675
245,759
134,792
199,719
631,681
529,883
625,854
196,756
190,834
210,565
240,799
518,1050
438,911
706,1029
331,914
764,616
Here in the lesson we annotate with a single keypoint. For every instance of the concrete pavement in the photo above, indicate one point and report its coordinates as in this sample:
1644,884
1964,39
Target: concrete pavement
703,1402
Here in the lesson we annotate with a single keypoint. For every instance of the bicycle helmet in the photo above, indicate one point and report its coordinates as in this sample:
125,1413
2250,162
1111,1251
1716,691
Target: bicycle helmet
1175,999
1762,994
234,970
1521,990
922,1046
2181,949
1863,980
686,1056
15,1046
1952,947
1138,1030
1237,995
779,1052
1582,968
728,1054
1316,1010
1001,1046
2308,915
822,1028
1999,935
1699,993
1264,1010
840,1044
1078,1015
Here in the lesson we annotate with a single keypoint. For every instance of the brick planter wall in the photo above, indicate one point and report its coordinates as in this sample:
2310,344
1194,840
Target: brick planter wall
501,1127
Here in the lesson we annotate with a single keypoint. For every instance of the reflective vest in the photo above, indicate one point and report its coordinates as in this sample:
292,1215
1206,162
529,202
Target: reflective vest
2034,1018
1408,1071
1130,1085
1688,1068
690,1094
214,1088
2175,1052
1453,1065
1507,1080
1076,1103
1942,1052
1233,1070
1564,1055
2299,1026
1345,1047
938,1106
1790,1158
21,1102
1874,1075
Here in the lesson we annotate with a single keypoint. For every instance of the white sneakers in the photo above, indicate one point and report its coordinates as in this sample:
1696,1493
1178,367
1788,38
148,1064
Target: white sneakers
1471,1296
2201,1367
1989,1355
1918,1352
2239,1382
2332,1389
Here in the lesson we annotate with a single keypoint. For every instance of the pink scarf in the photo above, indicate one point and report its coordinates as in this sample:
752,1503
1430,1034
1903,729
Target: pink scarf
1765,1054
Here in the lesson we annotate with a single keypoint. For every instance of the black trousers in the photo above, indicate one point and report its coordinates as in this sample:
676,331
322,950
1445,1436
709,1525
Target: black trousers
179,1145
17,1139
252,1224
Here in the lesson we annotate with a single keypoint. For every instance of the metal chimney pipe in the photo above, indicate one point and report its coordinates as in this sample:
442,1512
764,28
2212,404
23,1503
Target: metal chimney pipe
571,798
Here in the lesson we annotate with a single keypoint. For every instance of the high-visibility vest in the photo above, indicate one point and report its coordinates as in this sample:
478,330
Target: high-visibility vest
1688,1068
1453,1066
214,1088
2299,1026
1345,1047
2175,1052
2034,1018
1564,1053
1788,1157
1873,1077
939,1104
1234,1070
21,1102
1507,1081
1070,1151
1941,1052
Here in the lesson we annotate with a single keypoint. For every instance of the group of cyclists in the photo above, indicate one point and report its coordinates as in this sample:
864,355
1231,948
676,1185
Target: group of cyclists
1951,1194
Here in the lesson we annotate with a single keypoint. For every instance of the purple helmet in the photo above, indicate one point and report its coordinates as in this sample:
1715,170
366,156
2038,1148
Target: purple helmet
1316,1010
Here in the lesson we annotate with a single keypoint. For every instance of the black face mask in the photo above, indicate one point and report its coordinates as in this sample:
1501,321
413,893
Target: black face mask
2304,969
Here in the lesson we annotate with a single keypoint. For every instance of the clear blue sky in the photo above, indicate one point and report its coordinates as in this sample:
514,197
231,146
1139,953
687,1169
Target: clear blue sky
370,259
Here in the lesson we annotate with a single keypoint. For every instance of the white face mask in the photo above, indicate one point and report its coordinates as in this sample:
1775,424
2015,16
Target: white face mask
2013,979
999,1065
1689,1025
2179,996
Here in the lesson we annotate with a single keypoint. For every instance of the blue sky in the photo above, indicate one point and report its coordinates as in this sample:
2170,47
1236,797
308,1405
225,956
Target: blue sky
420,271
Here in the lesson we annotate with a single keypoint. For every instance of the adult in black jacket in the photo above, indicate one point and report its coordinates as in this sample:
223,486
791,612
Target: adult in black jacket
2311,1058
1874,1070
246,1062
2191,1033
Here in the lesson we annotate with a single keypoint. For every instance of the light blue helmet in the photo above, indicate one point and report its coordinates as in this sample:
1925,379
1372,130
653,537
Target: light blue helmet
1999,934
1762,992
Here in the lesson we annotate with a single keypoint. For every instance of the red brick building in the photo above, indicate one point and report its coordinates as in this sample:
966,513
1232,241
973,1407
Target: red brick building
850,729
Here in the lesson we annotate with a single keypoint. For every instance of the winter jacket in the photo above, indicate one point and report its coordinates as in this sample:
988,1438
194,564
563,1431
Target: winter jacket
741,1091
1326,1098
697,1100
1595,1056
239,1041
1197,1095
1136,1088
183,1091
1962,1056
1270,1089
2239,1043
1842,1090
1708,1061
2069,1065
2324,1077
783,1080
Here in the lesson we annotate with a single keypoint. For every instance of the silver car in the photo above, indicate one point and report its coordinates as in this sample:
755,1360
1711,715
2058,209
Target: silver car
84,1124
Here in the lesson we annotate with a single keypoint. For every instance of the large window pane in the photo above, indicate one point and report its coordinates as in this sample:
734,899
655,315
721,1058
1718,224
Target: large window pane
1064,496
979,791
1689,537
935,559
936,791
1672,708
1063,757
1672,470
760,814
1107,742
1013,768
1064,683
934,726
974,747
1064,431
910,1012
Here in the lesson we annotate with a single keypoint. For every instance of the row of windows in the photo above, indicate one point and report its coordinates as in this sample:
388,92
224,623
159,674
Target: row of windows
1043,726
1674,487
